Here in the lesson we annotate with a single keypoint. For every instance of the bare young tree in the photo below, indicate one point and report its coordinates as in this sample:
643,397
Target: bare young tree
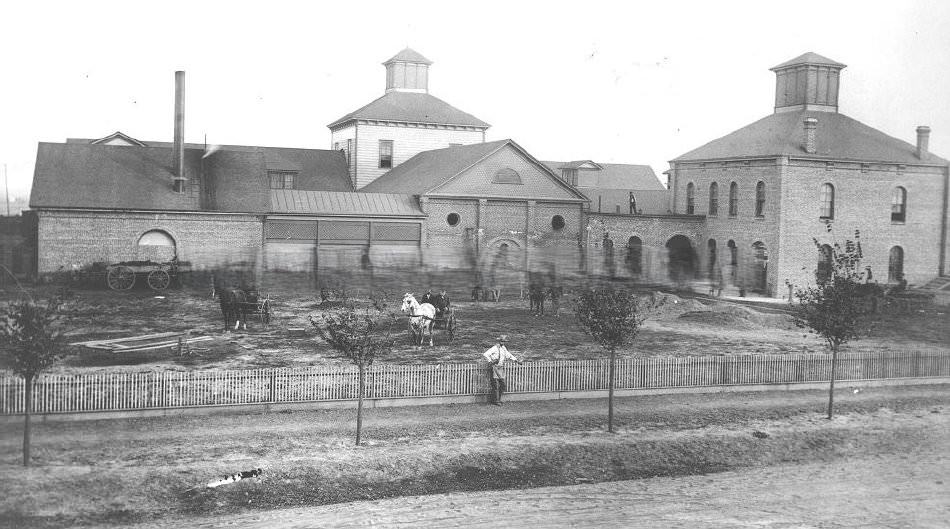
32,341
356,335
834,308
613,318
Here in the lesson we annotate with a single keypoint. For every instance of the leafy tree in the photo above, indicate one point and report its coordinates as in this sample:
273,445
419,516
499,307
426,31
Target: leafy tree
355,335
834,307
613,318
32,341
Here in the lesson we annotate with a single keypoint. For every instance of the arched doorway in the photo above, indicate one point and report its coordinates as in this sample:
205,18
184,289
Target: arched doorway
712,257
504,263
733,260
682,258
635,255
760,267
895,265
157,246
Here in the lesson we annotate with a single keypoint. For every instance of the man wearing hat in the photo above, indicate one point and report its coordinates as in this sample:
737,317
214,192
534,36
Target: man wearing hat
497,356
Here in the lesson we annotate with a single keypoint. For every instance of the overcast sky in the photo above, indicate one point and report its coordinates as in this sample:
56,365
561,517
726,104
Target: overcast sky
614,82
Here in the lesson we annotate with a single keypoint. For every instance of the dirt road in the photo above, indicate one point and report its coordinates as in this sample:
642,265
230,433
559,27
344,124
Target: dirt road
898,490
122,472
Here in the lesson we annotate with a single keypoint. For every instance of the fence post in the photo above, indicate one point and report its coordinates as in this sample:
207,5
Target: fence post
273,385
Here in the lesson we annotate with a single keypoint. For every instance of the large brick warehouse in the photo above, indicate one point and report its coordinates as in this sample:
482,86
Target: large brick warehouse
410,180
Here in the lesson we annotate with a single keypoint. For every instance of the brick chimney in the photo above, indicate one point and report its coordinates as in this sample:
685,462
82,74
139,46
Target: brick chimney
811,142
178,148
923,140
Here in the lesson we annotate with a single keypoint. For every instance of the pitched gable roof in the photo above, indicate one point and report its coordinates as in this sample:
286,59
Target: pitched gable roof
411,107
231,178
117,135
428,171
617,175
839,137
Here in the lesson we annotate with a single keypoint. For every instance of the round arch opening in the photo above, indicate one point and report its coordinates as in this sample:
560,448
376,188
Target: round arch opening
682,258
156,245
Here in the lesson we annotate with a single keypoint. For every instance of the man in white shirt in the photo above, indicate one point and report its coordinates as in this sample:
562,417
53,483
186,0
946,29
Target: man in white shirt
497,356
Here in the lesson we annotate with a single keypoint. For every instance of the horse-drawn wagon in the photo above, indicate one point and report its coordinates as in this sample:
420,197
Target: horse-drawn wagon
158,276
239,305
423,318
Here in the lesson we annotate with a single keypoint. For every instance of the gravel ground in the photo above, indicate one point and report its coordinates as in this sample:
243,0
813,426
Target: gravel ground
885,491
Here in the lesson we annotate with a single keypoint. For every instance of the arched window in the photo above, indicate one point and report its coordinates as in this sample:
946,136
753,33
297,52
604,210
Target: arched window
635,255
690,198
156,245
760,199
733,199
557,222
823,270
453,219
895,265
899,205
506,175
714,198
827,201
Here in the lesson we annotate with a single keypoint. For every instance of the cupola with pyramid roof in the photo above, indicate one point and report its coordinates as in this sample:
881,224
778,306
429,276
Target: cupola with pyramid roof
807,82
407,71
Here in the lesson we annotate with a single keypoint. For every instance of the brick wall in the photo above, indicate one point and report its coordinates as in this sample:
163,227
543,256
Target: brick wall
654,231
524,225
745,229
76,238
863,202
791,216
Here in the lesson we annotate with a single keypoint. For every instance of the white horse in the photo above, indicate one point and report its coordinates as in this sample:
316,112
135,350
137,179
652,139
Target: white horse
421,318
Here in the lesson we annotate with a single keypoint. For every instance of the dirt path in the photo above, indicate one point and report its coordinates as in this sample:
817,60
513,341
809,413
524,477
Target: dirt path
120,472
889,491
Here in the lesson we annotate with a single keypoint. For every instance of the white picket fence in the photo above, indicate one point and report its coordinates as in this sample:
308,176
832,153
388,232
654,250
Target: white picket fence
180,389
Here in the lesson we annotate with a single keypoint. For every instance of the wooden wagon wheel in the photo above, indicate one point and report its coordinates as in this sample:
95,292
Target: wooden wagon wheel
158,279
120,278
450,324
265,312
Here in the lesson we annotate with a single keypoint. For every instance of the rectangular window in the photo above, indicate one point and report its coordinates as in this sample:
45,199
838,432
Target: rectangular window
569,176
385,154
282,179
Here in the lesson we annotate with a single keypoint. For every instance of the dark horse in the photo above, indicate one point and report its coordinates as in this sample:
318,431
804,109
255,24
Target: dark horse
235,305
536,297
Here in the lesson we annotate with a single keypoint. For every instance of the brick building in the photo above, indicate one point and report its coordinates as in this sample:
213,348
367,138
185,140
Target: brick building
808,171
411,181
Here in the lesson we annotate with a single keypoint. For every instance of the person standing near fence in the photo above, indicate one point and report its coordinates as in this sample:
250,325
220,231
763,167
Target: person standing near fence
497,356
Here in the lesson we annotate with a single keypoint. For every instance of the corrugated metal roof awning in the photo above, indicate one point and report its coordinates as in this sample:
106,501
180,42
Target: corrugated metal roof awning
344,203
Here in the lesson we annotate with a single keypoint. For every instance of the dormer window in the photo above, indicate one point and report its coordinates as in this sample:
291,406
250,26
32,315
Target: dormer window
569,176
506,176
283,179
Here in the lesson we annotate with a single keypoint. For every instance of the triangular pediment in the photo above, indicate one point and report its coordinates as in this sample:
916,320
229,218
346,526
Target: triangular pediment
508,172
118,138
